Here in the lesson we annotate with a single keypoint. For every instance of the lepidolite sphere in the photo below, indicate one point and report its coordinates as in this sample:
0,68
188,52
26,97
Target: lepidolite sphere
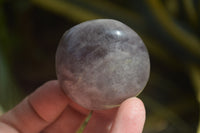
100,63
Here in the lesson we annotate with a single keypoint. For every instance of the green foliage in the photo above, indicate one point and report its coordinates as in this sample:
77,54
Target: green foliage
10,94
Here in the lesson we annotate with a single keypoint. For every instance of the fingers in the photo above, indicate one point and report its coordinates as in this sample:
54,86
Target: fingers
130,117
68,122
38,110
23,118
49,101
101,121
5,128
48,108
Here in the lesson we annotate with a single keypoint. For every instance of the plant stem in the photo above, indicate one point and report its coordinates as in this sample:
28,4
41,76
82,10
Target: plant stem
84,124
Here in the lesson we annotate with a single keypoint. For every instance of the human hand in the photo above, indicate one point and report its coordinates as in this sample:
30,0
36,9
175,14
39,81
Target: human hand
49,110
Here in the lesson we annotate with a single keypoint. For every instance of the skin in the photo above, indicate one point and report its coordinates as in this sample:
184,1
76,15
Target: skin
49,110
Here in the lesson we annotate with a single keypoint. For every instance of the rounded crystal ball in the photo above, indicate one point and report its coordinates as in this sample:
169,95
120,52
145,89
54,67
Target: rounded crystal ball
100,63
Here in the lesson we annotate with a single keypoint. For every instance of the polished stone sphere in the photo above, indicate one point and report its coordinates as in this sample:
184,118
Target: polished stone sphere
100,63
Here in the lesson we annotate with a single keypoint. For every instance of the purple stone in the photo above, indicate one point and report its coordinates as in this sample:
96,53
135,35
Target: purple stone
100,63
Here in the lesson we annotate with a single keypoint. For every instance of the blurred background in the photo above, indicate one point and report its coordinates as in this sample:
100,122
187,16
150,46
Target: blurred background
30,31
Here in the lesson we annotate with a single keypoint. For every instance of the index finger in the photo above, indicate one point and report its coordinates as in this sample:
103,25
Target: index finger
38,110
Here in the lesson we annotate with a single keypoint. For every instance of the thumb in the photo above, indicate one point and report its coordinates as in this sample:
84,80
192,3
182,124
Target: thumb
130,117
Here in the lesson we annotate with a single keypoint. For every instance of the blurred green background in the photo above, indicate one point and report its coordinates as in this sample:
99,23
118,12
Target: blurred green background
30,32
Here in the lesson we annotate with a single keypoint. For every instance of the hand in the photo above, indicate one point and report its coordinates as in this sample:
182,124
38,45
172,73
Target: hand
49,110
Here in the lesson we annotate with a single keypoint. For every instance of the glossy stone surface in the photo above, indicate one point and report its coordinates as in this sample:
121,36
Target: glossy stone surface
102,62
